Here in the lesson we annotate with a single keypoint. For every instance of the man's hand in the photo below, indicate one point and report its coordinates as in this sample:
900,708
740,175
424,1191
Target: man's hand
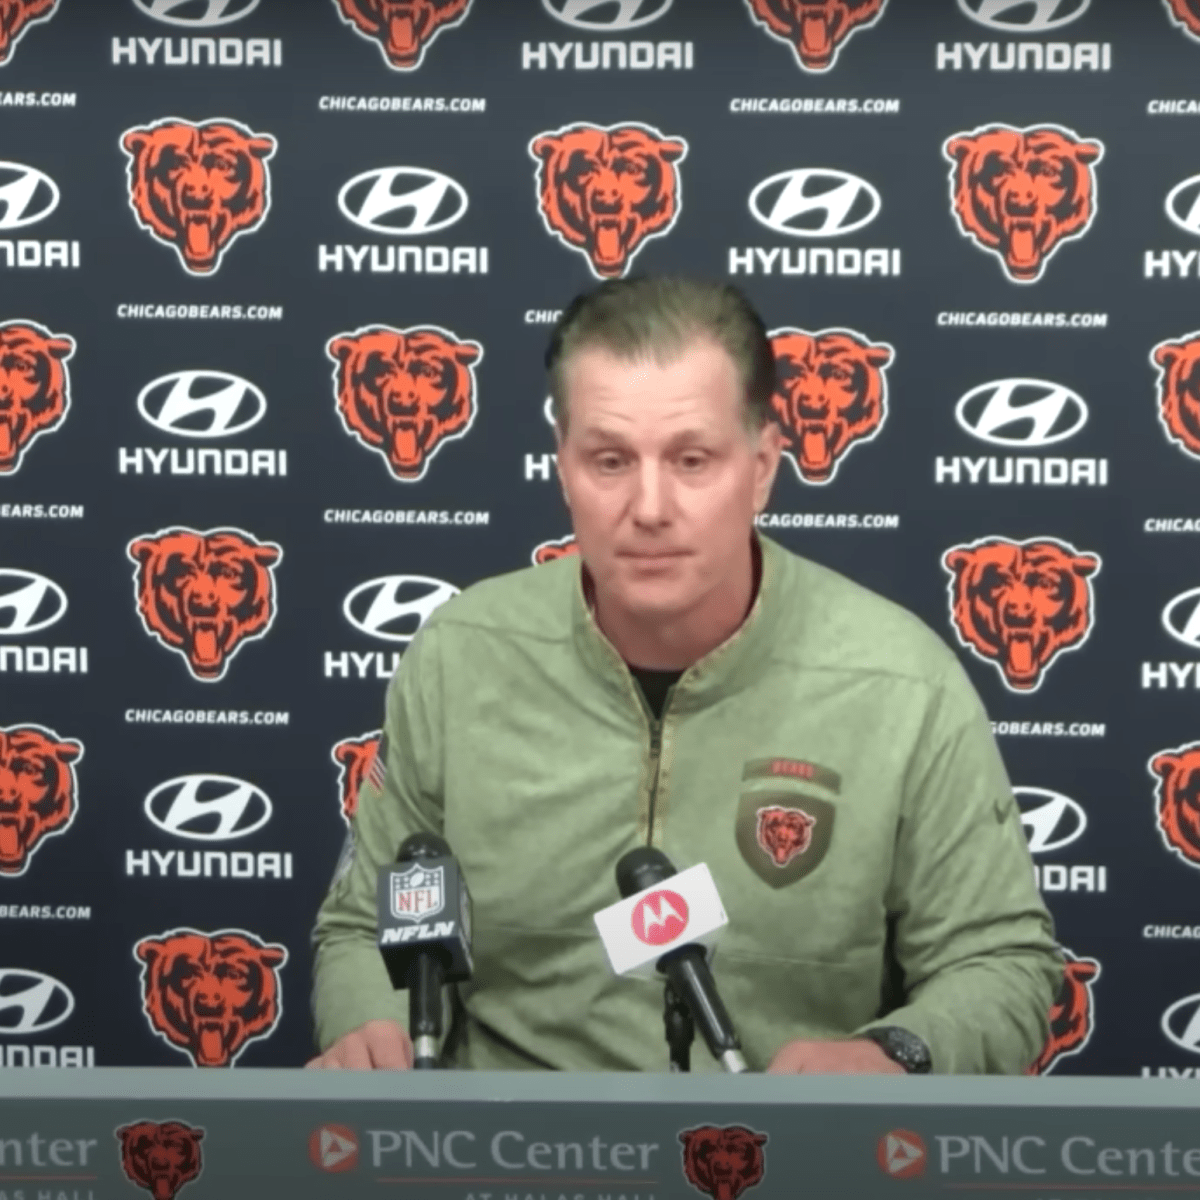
858,1057
377,1045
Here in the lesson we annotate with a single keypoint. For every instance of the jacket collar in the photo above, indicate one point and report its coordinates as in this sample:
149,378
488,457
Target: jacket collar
724,670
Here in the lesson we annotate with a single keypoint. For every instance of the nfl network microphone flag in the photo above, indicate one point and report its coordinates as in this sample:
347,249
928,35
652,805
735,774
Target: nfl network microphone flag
640,929
425,905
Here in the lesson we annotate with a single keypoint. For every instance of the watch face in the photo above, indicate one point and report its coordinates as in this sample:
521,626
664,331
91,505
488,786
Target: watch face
904,1048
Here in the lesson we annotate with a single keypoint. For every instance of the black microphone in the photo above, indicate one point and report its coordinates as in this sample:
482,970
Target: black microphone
685,967
424,912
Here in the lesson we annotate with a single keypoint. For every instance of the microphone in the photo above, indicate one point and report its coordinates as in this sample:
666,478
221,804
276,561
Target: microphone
424,920
679,918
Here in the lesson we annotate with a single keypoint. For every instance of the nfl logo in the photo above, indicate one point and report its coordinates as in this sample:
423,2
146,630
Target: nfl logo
417,893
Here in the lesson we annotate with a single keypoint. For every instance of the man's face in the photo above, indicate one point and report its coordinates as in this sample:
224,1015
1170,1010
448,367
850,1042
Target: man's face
662,477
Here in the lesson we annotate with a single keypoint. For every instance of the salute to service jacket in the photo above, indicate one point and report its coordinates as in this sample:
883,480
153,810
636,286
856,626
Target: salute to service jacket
831,764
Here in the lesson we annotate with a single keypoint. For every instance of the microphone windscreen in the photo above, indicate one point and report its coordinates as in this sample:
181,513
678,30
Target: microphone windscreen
641,868
423,845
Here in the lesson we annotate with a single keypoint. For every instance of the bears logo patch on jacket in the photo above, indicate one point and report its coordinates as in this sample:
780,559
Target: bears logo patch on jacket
605,190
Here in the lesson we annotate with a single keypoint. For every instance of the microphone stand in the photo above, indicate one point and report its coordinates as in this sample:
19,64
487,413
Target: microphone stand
680,1029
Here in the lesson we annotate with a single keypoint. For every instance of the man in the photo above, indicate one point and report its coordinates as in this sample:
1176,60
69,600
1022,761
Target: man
687,684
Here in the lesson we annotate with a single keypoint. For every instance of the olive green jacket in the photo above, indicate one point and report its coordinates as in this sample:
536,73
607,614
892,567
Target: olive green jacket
831,764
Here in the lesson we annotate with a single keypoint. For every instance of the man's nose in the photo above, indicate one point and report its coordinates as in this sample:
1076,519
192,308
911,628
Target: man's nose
651,501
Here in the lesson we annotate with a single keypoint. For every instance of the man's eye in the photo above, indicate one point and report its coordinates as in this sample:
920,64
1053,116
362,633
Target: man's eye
693,460
609,462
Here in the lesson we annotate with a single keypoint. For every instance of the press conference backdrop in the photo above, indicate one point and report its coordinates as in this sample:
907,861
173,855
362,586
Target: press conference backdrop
275,283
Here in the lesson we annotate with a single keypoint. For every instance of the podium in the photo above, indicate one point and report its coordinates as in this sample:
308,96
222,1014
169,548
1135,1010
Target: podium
306,1135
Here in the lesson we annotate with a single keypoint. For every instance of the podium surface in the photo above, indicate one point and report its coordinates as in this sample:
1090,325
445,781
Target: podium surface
106,1133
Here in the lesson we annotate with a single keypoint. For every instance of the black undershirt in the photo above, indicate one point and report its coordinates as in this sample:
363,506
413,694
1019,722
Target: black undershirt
655,685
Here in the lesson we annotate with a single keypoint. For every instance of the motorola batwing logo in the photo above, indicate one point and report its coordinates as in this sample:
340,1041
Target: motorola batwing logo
395,607
1181,618
606,16
29,603
31,1002
815,203
197,14
1050,819
1024,16
1183,205
27,195
1021,412
1181,1023
208,808
202,404
403,201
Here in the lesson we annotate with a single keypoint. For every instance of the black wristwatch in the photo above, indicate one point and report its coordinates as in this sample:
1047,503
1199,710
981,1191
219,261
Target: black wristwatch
902,1047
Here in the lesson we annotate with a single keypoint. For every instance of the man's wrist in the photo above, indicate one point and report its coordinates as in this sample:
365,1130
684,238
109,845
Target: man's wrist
903,1047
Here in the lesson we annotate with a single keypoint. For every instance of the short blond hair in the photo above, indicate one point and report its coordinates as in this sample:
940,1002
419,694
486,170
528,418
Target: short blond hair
658,317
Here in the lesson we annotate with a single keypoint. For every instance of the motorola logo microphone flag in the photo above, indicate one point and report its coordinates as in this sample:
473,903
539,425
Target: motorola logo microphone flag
394,607
208,808
31,1002
403,201
607,16
1021,412
815,202
29,602
659,918
1051,820
1022,17
202,404
27,196
197,14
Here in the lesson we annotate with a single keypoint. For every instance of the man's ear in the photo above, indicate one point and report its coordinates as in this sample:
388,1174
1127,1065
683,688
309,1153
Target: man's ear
767,451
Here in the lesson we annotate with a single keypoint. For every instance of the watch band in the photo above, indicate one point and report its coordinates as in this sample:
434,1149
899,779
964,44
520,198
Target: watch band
903,1047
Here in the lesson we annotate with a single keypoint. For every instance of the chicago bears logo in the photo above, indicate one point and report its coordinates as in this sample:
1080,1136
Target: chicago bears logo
606,190
1178,364
1186,15
723,1162
1021,193
784,832
405,392
38,791
1177,790
564,547
16,16
198,187
205,594
355,757
35,390
161,1156
210,994
830,394
1021,604
402,28
815,29
1072,1016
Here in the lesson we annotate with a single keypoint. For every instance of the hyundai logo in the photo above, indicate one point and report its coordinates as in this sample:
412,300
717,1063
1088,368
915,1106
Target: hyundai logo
202,404
1021,412
1181,618
1183,204
616,16
403,201
1024,16
1050,820
395,607
815,202
29,603
31,1002
197,14
208,808
1181,1023
27,195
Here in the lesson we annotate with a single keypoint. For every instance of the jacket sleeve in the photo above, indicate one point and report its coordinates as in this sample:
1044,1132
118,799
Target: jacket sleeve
971,934
350,984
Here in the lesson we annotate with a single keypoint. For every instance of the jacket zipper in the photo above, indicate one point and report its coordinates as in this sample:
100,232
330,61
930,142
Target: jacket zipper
655,763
